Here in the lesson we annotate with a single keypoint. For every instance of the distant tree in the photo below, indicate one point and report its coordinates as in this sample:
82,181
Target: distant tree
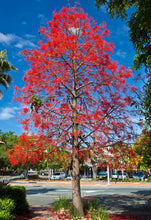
28,151
139,25
57,159
123,157
74,90
146,103
5,67
142,147
9,139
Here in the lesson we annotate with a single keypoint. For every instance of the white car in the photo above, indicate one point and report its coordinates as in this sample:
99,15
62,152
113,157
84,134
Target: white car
58,176
114,174
122,176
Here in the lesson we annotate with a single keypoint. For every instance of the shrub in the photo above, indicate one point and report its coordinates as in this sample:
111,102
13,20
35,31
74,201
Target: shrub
61,203
135,180
114,180
126,179
6,208
97,178
17,194
96,211
149,179
5,215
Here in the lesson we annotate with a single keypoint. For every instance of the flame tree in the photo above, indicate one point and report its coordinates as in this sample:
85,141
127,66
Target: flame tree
28,151
76,94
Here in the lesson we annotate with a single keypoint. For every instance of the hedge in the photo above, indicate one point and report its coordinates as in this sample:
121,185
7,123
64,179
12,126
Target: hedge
17,194
6,209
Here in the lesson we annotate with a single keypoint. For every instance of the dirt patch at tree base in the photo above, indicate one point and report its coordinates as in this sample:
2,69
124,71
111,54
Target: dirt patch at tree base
45,213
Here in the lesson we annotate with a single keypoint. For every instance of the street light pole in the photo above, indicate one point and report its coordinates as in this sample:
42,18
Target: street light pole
108,169
108,175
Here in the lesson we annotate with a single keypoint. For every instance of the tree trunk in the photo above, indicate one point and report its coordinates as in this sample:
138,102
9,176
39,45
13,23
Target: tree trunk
76,193
49,171
26,170
94,170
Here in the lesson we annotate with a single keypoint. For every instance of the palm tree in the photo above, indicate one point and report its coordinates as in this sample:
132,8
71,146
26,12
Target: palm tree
5,67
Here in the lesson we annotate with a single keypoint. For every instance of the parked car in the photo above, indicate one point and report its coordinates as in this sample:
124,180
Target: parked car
30,173
114,174
69,177
58,176
44,172
102,175
139,175
121,176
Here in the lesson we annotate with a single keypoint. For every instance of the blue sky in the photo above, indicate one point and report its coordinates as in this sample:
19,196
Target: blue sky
20,21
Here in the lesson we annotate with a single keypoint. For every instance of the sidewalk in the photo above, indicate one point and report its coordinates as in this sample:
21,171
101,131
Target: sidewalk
82,183
37,213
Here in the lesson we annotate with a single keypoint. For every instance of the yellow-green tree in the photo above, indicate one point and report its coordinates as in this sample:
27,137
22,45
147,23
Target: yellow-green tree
142,147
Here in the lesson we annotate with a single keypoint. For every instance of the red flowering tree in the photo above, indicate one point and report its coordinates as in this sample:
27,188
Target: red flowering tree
28,151
76,94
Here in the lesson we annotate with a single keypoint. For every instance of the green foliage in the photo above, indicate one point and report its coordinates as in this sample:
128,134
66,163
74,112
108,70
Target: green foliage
139,25
135,180
9,138
62,202
92,208
5,215
146,104
56,160
97,179
98,213
114,180
6,208
142,147
149,179
126,179
115,7
35,103
17,194
5,67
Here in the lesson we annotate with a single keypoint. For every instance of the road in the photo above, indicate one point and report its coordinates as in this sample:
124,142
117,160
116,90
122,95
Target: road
116,197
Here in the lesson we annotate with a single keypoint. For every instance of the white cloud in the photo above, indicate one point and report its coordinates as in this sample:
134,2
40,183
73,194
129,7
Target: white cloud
103,8
29,36
14,40
122,30
43,19
24,43
8,112
7,38
121,53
